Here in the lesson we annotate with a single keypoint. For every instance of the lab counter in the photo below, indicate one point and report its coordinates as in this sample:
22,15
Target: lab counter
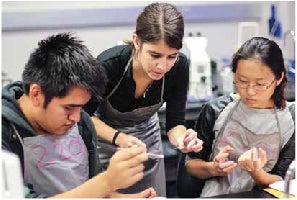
170,152
255,193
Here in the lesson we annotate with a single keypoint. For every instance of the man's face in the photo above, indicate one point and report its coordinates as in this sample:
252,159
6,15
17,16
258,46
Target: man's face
61,113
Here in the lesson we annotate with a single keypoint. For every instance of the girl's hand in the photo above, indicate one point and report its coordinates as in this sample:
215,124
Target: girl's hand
221,167
189,142
124,141
252,160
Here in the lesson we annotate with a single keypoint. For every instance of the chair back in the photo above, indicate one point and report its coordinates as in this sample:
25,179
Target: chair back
187,186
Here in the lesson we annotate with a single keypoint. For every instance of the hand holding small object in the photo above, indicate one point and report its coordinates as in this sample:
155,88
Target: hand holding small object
221,167
126,167
189,142
252,160
150,155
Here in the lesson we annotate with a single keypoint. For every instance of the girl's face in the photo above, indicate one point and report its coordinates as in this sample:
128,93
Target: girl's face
255,83
156,59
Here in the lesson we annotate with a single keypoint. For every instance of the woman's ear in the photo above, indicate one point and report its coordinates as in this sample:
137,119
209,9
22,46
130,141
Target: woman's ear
135,41
280,80
36,95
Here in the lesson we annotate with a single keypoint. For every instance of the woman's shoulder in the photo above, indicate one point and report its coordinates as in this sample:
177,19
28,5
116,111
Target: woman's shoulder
217,105
291,107
222,101
116,53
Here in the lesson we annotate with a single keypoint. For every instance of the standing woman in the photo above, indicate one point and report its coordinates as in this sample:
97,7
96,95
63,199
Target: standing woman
142,75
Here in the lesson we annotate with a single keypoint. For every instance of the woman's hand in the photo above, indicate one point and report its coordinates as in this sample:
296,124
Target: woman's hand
252,160
124,141
189,142
220,166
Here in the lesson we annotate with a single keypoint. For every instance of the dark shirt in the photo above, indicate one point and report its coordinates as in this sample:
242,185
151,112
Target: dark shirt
114,61
12,114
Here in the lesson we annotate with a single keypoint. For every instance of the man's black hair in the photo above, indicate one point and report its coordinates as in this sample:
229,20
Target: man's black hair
61,62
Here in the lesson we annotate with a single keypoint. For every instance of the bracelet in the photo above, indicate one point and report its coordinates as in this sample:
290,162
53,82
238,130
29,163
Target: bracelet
115,137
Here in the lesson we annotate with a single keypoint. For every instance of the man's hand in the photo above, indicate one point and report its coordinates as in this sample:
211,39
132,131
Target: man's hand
126,167
147,194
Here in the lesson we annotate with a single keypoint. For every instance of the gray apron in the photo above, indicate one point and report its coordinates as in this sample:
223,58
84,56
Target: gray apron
241,131
55,164
142,123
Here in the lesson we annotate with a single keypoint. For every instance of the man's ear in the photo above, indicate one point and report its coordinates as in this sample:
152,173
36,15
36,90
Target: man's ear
135,41
36,95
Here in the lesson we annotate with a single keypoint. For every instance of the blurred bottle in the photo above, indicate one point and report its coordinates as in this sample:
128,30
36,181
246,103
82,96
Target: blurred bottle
275,27
225,78
289,58
214,78
290,175
200,88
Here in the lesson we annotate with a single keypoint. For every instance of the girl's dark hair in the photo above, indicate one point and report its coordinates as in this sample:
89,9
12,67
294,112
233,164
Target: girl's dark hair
160,21
269,53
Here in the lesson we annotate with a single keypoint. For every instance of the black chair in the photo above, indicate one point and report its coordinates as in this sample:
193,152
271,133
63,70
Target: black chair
187,185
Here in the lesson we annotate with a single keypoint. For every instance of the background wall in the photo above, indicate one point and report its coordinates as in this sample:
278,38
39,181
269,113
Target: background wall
101,24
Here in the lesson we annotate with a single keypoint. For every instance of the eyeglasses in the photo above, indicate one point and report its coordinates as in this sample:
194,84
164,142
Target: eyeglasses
257,87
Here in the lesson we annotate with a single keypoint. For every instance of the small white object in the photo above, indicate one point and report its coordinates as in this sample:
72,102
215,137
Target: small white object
12,179
150,155
279,185
227,80
153,155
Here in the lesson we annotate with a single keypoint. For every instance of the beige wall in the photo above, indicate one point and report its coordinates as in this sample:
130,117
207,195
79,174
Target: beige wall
222,36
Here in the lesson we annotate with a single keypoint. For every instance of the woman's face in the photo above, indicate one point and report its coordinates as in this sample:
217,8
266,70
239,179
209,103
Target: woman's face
255,83
157,59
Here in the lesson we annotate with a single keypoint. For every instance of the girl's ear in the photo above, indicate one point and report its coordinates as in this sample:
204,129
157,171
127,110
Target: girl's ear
280,80
135,41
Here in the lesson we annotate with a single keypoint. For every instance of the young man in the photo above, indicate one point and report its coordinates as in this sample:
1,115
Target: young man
42,122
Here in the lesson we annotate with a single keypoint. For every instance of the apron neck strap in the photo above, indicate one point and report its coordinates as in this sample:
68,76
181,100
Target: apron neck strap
279,129
117,85
126,69
162,90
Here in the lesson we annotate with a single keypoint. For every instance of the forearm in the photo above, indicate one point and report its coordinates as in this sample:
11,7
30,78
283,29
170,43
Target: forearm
263,178
175,133
103,130
90,189
200,168
117,195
